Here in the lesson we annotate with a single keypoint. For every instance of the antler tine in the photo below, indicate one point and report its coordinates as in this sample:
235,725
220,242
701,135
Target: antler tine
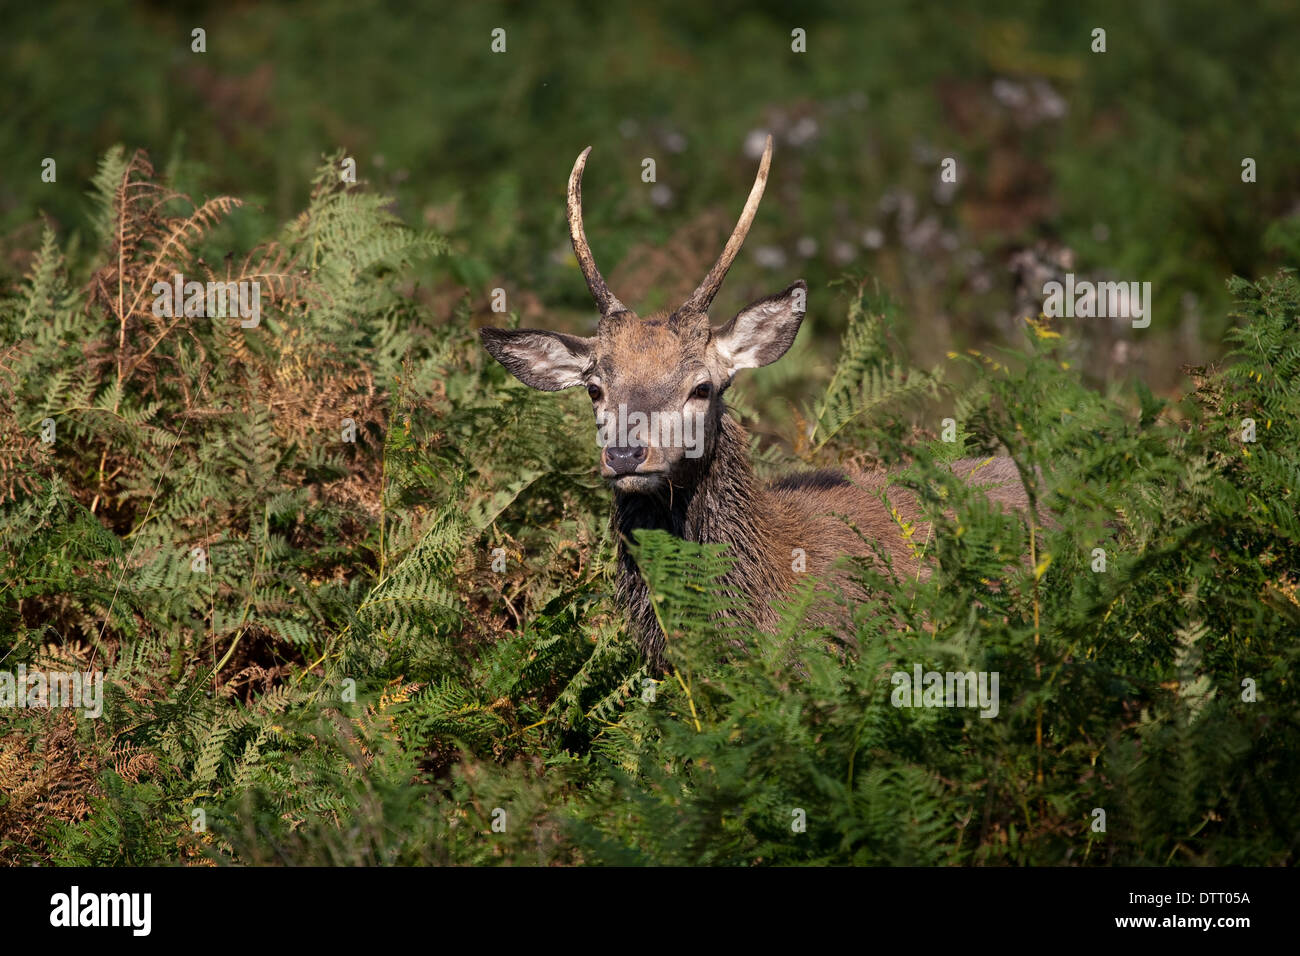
605,300
702,298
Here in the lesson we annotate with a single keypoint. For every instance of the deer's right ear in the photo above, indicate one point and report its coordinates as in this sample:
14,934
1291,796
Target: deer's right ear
548,361
763,331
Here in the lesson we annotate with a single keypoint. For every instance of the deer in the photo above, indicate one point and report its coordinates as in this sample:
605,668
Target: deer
675,365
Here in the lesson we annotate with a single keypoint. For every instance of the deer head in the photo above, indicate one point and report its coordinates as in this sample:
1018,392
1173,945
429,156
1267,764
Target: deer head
656,384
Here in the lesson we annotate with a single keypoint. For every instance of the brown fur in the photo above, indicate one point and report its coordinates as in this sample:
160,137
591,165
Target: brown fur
676,363
826,514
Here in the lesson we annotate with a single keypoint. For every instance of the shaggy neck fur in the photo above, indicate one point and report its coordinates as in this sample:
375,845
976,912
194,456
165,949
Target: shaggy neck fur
720,501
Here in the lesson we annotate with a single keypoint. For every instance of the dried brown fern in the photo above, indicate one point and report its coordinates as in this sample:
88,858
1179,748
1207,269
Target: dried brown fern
43,780
150,244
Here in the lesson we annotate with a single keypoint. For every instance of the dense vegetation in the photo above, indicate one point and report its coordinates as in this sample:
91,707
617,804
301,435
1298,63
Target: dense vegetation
1127,163
391,644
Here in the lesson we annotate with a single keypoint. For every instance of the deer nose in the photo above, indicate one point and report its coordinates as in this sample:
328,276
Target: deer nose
623,461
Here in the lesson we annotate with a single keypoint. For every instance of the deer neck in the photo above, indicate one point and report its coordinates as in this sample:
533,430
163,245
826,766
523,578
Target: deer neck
720,501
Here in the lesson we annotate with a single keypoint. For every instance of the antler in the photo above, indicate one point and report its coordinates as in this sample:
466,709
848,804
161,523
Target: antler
605,300
702,298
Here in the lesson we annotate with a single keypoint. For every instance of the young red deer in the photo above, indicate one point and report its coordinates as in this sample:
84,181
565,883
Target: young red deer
676,367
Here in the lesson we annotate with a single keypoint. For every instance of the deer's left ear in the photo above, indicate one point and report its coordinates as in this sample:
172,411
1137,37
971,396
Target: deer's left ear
763,331
548,361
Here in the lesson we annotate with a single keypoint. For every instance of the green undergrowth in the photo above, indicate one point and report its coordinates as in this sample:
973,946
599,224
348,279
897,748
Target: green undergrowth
403,648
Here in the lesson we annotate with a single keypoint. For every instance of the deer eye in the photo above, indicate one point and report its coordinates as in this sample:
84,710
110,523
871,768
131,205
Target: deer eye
595,392
703,390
